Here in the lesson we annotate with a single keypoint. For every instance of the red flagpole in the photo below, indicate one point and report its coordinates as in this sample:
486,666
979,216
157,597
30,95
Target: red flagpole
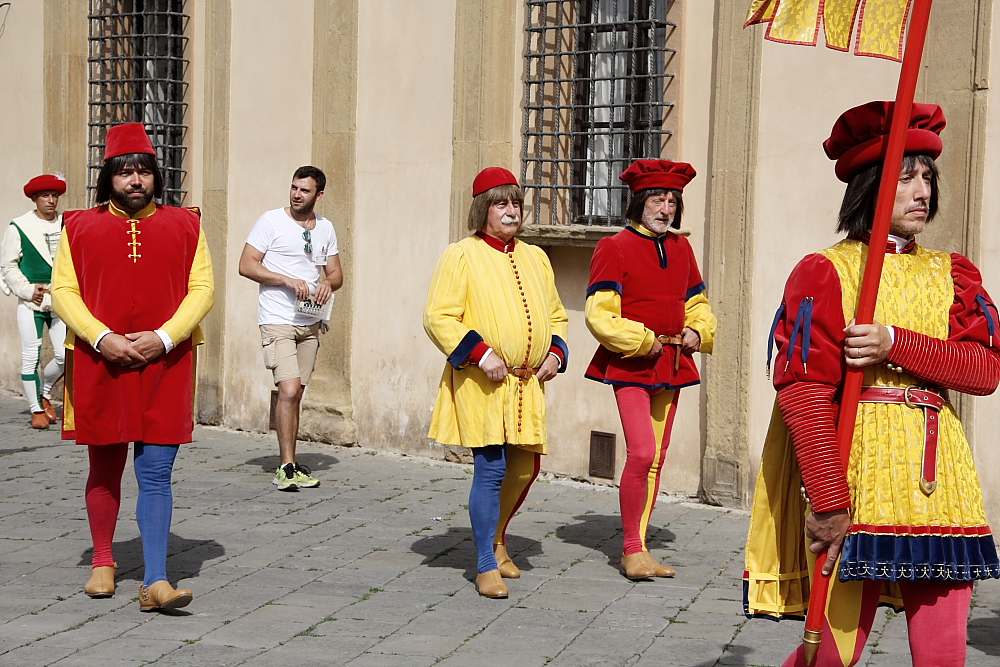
870,286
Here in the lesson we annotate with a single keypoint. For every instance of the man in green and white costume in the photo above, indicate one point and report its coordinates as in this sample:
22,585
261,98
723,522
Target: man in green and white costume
26,253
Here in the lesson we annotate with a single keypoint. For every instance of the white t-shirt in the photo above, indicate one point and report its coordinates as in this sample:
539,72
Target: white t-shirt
282,241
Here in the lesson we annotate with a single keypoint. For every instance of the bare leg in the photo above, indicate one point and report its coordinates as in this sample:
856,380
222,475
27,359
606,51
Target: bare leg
286,416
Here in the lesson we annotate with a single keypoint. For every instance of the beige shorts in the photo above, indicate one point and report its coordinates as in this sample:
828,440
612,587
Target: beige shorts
290,351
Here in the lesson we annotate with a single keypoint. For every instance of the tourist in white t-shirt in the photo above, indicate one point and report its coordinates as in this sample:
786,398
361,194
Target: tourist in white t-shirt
286,249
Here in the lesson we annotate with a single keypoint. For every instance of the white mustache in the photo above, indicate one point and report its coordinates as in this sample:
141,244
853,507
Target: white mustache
510,219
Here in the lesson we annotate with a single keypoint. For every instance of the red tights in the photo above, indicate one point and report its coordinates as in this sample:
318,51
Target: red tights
104,497
936,618
647,419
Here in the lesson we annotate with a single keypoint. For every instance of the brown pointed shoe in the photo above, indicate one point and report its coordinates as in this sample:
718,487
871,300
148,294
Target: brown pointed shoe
506,566
490,585
101,583
39,420
49,411
161,595
659,569
635,566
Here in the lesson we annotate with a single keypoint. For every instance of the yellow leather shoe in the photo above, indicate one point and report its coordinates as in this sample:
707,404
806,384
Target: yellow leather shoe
659,569
161,595
102,582
506,566
635,566
490,585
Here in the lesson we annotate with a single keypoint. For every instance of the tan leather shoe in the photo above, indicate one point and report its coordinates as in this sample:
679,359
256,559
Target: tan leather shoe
506,566
39,420
490,585
636,567
659,569
162,595
49,411
102,582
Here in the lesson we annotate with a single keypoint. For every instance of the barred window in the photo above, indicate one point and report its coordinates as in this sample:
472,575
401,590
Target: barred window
137,75
596,85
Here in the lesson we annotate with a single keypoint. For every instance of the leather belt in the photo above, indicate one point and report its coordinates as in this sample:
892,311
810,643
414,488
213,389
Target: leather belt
522,372
677,340
931,402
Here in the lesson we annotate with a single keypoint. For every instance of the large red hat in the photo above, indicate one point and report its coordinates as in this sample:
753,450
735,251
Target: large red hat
646,174
43,183
860,135
490,178
126,139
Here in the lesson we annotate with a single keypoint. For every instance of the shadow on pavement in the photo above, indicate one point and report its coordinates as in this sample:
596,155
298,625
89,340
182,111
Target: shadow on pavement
314,461
456,549
735,656
984,634
185,557
604,533
22,450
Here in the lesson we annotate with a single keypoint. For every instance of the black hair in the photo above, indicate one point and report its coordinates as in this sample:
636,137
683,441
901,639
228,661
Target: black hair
857,211
121,162
637,206
313,173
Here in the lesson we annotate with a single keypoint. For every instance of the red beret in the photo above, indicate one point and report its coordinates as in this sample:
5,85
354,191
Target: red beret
490,178
646,174
127,139
43,183
860,136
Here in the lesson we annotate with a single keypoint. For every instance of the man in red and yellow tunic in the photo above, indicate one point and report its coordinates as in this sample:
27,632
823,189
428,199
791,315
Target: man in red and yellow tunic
905,523
132,280
646,306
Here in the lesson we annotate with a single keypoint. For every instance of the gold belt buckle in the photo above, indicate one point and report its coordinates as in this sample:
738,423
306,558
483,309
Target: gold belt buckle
906,396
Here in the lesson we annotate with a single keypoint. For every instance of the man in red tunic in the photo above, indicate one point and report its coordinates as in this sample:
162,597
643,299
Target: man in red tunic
646,306
132,280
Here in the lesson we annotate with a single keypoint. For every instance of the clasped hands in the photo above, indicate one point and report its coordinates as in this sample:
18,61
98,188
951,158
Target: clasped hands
301,287
496,368
691,344
133,349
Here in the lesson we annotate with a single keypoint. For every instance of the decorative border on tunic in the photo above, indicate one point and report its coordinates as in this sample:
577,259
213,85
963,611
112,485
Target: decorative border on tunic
895,557
662,385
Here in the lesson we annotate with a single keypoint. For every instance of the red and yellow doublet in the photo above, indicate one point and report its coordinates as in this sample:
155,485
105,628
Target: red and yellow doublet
643,286
945,338
127,275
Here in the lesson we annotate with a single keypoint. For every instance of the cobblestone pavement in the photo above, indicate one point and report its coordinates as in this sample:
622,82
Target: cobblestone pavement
375,568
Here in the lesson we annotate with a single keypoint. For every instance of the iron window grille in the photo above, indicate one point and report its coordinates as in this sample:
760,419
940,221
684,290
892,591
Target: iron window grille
595,85
137,74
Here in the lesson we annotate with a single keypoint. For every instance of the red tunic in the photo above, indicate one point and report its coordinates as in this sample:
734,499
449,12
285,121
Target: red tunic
655,277
114,403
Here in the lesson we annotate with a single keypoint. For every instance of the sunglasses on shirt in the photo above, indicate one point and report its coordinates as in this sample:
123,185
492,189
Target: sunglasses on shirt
307,237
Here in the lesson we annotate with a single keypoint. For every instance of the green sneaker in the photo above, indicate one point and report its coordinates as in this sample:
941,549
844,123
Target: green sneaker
302,478
284,478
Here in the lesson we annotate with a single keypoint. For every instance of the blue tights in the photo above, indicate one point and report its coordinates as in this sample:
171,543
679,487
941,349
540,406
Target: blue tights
484,501
154,508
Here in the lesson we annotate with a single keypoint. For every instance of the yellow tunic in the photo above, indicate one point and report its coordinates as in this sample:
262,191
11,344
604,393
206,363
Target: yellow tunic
474,289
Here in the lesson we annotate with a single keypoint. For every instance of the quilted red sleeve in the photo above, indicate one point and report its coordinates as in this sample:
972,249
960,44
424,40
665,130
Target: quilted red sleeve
811,415
813,298
969,360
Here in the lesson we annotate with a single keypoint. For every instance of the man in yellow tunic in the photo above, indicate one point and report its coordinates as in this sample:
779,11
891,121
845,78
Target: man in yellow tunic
493,310
906,519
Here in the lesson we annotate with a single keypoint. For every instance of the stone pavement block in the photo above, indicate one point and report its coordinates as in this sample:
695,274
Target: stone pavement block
133,651
372,659
89,634
511,656
42,624
312,652
15,608
565,601
418,644
254,633
344,625
541,631
307,597
202,655
702,629
616,647
32,655
678,652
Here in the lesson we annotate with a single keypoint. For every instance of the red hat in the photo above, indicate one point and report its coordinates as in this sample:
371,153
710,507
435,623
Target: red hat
490,178
646,174
43,183
126,139
860,135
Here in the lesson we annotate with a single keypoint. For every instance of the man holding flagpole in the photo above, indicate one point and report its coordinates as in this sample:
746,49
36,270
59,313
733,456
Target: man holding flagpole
906,519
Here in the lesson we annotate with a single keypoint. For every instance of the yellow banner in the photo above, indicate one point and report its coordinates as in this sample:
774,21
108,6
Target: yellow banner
880,23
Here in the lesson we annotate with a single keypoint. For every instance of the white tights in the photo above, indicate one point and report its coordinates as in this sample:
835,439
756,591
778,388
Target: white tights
30,325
